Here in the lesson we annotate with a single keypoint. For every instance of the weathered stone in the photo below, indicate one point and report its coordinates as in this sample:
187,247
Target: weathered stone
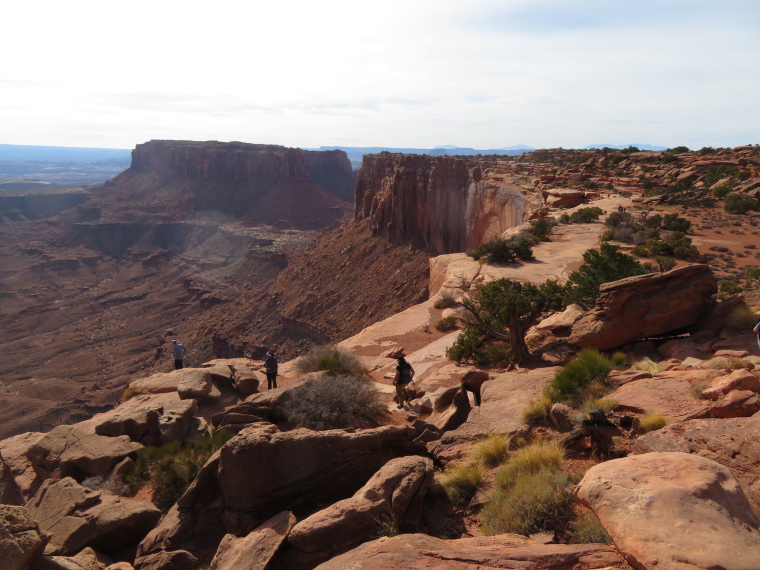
649,305
659,508
254,551
423,552
77,517
222,374
738,380
560,416
736,404
247,380
14,452
175,420
82,561
20,538
734,443
194,383
561,324
167,560
75,452
395,492
10,494
135,423
557,353
453,416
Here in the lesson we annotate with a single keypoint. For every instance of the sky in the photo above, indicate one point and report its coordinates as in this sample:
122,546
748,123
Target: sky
413,73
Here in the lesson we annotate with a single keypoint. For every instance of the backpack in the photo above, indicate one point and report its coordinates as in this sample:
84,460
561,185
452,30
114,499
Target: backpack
406,374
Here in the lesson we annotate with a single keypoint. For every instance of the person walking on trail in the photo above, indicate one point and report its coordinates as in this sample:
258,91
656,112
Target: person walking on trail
178,353
757,330
404,376
270,368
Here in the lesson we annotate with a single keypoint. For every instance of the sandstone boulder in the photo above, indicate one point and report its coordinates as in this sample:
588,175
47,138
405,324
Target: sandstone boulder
20,469
734,443
247,380
155,423
76,517
454,415
560,324
194,383
75,452
158,383
171,560
423,552
82,561
660,509
222,374
649,305
560,415
10,493
255,550
20,538
736,404
395,493
737,380
502,401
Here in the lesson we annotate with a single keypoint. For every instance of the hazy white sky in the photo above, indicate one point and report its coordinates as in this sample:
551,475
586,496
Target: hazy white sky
412,73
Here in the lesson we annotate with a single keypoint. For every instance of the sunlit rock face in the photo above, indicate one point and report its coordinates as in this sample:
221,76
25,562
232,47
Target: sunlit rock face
448,204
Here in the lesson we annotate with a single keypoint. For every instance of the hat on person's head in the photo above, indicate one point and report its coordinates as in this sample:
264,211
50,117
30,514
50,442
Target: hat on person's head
269,353
174,341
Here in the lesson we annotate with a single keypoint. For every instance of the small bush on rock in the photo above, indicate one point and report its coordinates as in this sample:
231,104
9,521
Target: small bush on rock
648,365
493,450
569,382
332,359
445,300
586,215
446,324
461,481
334,403
652,422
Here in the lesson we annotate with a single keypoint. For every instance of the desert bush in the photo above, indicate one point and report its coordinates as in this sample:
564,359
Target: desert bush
698,389
531,459
736,204
446,324
679,149
619,360
502,251
387,524
725,363
648,365
496,352
172,467
333,403
675,223
589,530
726,286
586,215
599,266
537,410
131,392
569,382
652,422
665,263
592,404
445,300
721,192
741,317
461,481
541,228
493,450
331,359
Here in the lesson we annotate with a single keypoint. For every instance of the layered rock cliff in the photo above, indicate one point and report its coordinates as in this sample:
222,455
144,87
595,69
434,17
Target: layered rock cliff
448,204
264,184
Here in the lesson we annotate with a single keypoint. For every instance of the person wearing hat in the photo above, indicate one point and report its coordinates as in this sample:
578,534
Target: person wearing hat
404,376
270,368
178,353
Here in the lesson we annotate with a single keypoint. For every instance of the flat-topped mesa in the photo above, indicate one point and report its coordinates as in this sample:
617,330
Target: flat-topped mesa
448,204
263,183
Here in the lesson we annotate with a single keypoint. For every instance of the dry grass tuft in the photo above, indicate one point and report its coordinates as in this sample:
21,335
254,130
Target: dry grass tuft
461,481
493,450
649,365
652,422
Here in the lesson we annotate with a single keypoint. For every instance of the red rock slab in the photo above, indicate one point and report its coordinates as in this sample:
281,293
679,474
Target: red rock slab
420,551
668,393
255,550
674,510
13,451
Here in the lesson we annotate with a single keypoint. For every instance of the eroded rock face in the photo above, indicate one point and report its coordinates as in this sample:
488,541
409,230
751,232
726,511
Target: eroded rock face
647,305
396,491
76,517
734,443
255,550
448,204
423,552
75,452
675,511
20,538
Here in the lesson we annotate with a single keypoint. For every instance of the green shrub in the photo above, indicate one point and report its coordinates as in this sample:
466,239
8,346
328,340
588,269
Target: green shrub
570,381
446,324
586,215
619,360
331,359
172,467
718,172
736,204
726,286
565,218
461,481
679,149
334,403
599,266
493,450
673,222
537,410
530,459
589,530
536,503
387,524
721,192
502,251
665,263
541,228
446,299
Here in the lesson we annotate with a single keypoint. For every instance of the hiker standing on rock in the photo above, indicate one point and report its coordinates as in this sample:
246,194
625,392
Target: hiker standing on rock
270,368
757,330
178,353
404,375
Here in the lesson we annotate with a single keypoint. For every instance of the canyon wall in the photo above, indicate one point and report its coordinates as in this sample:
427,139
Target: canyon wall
265,184
448,204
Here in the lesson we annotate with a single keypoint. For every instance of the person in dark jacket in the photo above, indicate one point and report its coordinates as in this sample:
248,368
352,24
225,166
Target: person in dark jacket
404,376
270,368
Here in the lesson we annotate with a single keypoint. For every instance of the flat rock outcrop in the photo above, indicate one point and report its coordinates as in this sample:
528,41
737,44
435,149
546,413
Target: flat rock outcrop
20,538
734,443
423,552
155,423
674,510
448,204
648,305
255,550
76,517
395,492
75,452
668,393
